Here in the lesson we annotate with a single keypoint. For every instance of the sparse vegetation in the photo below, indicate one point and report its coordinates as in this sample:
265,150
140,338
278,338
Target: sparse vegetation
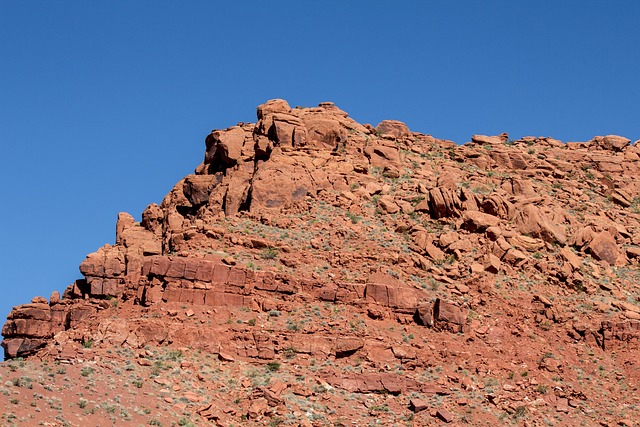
86,371
273,366
174,355
269,253
353,217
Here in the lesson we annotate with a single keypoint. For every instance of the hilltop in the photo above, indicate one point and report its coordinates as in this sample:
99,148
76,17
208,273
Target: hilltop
318,271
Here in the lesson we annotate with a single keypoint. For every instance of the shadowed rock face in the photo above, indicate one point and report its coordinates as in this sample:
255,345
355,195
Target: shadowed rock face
307,207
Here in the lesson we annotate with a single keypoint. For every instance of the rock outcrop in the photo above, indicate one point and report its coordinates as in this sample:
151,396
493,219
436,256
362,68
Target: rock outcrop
344,241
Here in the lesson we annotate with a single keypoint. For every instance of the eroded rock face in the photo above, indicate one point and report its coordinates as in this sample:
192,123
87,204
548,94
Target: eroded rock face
380,236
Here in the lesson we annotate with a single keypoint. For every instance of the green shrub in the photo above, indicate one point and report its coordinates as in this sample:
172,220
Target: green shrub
24,382
273,366
86,371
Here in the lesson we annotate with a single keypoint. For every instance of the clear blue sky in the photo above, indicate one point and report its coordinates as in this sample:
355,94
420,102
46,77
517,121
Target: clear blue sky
104,105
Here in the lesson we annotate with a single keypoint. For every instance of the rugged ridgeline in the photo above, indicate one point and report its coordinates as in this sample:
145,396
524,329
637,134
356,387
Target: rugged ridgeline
308,236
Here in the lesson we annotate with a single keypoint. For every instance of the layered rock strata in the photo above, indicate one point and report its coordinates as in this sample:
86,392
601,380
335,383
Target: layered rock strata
309,205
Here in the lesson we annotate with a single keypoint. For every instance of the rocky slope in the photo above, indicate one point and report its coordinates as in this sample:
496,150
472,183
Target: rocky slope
317,271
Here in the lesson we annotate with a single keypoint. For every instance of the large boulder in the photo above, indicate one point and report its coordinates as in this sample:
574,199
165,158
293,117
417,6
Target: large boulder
449,316
393,128
475,221
273,106
603,247
611,142
381,155
532,222
444,203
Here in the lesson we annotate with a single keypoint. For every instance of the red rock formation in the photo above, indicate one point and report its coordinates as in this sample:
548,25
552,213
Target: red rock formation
371,233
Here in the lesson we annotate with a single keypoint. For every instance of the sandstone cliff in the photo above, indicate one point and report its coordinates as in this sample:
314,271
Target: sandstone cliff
308,236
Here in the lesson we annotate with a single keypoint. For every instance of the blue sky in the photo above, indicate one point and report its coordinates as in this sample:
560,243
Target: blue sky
104,105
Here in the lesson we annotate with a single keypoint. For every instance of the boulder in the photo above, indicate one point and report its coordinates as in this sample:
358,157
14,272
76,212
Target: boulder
424,314
532,222
611,142
346,346
393,128
381,155
475,221
603,247
496,205
448,316
273,106
484,139
443,203
388,205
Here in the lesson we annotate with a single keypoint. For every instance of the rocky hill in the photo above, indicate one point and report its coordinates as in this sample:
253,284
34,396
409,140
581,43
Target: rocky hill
317,271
